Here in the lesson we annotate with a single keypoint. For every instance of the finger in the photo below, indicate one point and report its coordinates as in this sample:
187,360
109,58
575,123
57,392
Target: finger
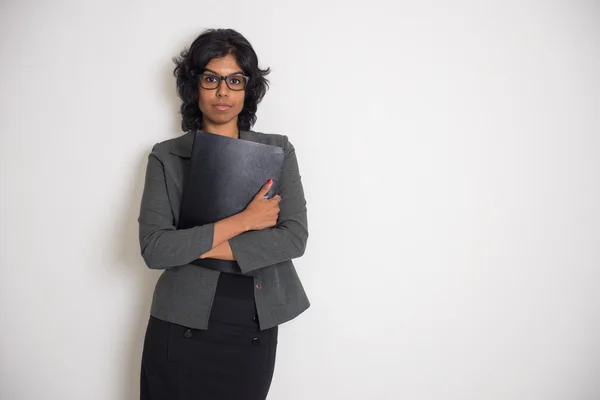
263,191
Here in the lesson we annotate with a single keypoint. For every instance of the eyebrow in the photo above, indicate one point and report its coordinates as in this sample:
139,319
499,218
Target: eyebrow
214,72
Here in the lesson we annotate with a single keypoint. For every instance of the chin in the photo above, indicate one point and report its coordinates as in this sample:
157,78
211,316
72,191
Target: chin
220,120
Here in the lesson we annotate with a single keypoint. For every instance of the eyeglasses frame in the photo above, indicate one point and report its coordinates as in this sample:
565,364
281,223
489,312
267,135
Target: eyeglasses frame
221,79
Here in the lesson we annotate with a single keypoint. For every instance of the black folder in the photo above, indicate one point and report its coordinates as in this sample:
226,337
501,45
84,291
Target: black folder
224,176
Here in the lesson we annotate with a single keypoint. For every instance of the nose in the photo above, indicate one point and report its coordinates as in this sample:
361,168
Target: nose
222,89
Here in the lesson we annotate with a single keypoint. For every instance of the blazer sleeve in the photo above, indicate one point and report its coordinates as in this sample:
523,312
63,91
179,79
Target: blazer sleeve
287,239
162,245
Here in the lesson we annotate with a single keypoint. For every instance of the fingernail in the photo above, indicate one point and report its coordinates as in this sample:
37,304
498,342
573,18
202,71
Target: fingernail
270,181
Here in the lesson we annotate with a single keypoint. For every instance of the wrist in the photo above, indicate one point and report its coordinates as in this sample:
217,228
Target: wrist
244,221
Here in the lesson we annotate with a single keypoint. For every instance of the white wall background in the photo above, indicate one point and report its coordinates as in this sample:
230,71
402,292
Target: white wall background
450,157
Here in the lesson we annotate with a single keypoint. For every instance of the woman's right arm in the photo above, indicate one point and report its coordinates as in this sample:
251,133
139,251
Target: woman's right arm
162,244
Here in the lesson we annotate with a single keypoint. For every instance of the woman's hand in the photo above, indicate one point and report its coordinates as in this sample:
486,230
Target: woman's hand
262,213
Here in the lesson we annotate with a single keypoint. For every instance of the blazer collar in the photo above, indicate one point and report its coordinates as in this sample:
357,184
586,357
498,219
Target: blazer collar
182,146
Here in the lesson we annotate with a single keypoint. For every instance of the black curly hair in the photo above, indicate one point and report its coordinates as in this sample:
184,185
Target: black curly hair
217,43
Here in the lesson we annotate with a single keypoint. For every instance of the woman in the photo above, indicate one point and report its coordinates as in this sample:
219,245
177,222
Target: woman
213,335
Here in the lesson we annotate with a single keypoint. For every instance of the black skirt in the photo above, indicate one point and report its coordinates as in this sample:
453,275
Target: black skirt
232,359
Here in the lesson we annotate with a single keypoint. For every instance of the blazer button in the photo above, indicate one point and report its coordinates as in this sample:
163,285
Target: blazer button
258,286
188,334
255,318
256,341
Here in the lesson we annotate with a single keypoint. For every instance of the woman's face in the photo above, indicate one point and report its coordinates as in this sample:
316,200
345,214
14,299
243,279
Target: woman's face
221,105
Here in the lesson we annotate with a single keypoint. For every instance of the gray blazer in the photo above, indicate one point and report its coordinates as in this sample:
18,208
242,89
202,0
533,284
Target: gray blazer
184,292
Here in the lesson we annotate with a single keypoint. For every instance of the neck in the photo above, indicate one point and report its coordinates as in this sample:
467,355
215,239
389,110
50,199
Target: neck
230,129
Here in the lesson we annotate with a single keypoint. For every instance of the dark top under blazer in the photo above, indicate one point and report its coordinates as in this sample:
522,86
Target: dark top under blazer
184,292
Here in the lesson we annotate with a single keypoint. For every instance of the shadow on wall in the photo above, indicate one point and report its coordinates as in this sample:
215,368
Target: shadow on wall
129,253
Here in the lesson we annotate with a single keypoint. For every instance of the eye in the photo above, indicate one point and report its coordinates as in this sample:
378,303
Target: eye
239,81
210,78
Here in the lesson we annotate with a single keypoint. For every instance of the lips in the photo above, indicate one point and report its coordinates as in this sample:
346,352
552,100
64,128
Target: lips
222,107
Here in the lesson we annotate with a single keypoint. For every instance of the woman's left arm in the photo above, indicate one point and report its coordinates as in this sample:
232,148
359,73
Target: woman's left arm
287,239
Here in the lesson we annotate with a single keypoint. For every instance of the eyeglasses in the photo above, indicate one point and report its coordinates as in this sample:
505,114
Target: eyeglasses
234,82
